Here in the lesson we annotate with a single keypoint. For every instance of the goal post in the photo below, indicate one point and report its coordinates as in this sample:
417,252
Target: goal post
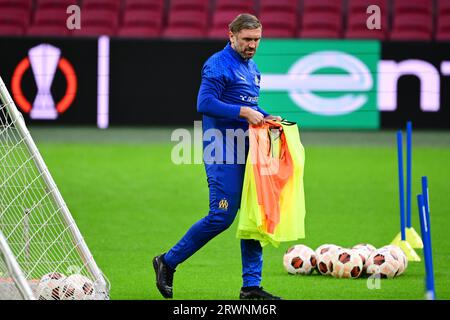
34,217
13,285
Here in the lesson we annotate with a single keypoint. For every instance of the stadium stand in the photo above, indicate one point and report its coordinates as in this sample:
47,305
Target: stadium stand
443,21
223,12
278,24
98,21
356,18
142,18
321,19
13,21
48,21
54,4
187,19
423,20
412,20
280,18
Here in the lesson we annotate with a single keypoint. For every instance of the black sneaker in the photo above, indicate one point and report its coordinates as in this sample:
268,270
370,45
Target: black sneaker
164,276
257,294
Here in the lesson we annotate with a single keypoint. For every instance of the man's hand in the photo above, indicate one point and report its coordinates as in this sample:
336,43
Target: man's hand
276,118
253,117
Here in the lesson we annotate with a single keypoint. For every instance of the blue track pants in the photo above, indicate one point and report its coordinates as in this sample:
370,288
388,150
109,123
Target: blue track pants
225,188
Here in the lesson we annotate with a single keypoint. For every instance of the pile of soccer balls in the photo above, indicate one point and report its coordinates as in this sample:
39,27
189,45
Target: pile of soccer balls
328,259
56,286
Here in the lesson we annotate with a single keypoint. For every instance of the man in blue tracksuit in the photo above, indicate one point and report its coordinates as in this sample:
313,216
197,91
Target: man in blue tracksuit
228,101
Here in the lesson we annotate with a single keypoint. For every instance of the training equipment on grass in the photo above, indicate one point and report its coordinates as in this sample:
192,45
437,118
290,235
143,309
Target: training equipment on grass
13,285
34,218
324,254
401,239
381,263
346,263
77,287
412,237
364,250
398,254
299,259
425,227
49,286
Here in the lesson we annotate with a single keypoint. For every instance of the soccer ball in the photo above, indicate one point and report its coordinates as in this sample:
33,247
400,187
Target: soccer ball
346,263
327,247
49,286
365,246
364,250
77,287
398,254
324,253
299,259
382,263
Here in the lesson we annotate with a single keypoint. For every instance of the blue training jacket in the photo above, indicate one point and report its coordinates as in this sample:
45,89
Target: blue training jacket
228,82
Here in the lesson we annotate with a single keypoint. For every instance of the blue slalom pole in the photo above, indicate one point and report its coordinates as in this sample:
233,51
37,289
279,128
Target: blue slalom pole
424,226
426,197
408,172
401,184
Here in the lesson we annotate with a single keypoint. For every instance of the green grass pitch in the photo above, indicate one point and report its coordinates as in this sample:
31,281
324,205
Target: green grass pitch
131,203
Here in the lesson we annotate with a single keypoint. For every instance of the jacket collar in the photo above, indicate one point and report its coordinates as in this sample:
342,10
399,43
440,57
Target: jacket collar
234,54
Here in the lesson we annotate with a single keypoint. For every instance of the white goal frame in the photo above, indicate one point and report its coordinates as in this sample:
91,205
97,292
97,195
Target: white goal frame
76,236
13,270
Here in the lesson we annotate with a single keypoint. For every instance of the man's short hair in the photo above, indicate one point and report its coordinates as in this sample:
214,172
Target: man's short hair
244,21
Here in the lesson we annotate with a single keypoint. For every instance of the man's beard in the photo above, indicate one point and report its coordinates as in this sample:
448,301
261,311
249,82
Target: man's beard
247,53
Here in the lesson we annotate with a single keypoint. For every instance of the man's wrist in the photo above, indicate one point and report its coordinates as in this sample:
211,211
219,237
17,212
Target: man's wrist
243,112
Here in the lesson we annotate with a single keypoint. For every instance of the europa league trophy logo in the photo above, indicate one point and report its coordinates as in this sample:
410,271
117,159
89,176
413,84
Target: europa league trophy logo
44,61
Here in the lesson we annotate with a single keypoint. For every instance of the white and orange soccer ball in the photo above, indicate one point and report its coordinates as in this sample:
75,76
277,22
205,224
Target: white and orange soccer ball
398,254
383,264
77,287
365,246
299,259
346,263
324,254
49,286
364,250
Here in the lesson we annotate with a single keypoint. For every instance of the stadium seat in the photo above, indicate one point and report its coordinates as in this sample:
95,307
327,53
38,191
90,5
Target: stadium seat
97,22
360,6
322,6
48,21
11,30
16,4
155,5
412,20
278,5
412,26
201,5
54,4
141,23
278,24
443,21
139,32
14,17
412,7
186,24
94,31
242,6
220,22
443,30
321,25
357,27
47,30
443,7
111,5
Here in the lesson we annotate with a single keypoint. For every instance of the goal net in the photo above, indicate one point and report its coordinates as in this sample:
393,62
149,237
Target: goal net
13,285
34,218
